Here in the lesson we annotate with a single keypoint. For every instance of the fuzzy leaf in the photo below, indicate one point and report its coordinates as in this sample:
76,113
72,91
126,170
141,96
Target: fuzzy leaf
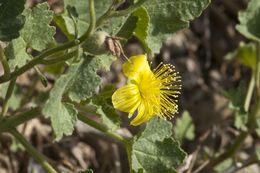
85,80
11,20
153,149
102,103
236,100
249,21
184,128
16,53
169,16
245,53
37,33
63,115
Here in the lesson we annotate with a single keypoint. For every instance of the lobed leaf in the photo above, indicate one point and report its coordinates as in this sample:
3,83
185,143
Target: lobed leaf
16,53
79,82
153,149
169,16
249,21
11,20
37,33
85,80
63,115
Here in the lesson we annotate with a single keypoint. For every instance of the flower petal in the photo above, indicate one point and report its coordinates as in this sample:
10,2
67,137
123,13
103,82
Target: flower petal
138,63
126,98
145,113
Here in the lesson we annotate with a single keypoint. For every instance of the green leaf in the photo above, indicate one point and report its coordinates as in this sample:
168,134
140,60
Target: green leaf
169,16
102,103
153,149
16,53
37,33
11,20
223,165
236,101
15,99
85,80
184,128
245,54
249,21
63,115
137,25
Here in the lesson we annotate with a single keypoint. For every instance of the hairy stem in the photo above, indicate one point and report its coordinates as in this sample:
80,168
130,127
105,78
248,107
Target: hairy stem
13,121
101,128
250,91
8,96
92,24
4,63
32,150
59,58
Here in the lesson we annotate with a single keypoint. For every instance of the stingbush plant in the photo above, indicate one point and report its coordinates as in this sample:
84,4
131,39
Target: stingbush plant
94,30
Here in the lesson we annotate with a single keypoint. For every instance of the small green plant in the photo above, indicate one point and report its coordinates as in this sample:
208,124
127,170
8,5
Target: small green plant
95,31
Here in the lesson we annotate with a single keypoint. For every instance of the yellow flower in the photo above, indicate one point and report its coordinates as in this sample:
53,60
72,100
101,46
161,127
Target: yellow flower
152,92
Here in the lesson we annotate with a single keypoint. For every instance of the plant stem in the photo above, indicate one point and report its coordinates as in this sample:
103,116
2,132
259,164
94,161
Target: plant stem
4,63
101,128
38,59
8,96
250,91
111,13
13,121
84,108
92,24
32,150
59,58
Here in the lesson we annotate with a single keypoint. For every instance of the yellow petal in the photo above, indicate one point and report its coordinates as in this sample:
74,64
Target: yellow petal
145,113
126,98
138,63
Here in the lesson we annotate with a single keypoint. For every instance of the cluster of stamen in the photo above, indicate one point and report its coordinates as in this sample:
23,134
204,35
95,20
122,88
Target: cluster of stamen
169,85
